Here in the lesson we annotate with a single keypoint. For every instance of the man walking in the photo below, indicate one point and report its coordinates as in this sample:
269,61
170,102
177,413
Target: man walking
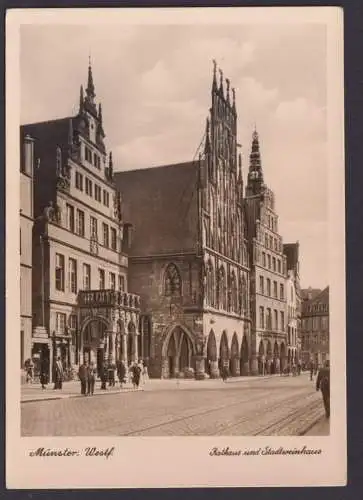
83,374
58,378
311,368
91,378
323,383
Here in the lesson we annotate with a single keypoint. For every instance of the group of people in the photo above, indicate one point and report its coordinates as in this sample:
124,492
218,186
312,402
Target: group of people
136,374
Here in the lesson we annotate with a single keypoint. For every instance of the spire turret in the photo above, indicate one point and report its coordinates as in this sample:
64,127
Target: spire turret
234,99
207,139
100,113
214,84
240,180
255,156
81,99
221,83
227,96
70,133
90,90
255,175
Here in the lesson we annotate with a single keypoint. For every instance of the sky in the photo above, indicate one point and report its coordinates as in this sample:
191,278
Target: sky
154,84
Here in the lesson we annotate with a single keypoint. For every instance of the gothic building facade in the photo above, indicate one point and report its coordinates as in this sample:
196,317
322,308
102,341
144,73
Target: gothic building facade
268,272
189,257
82,308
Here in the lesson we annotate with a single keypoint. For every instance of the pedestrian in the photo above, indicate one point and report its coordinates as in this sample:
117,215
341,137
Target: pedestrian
103,376
121,373
111,375
83,374
224,372
43,377
29,367
58,374
135,370
311,368
145,372
299,368
91,379
141,366
323,383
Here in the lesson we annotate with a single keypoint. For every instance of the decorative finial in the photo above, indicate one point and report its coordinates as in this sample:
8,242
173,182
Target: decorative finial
234,96
100,112
228,83
110,161
214,86
221,81
81,98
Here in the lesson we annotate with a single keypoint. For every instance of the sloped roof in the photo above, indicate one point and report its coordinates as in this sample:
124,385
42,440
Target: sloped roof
161,204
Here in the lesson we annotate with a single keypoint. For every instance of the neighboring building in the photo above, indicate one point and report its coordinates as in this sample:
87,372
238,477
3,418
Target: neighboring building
189,259
268,271
293,296
315,326
81,305
26,229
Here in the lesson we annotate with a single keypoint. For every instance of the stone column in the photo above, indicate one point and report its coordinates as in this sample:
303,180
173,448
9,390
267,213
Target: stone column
134,348
165,368
105,348
214,371
254,365
246,368
199,368
113,349
277,365
235,367
124,349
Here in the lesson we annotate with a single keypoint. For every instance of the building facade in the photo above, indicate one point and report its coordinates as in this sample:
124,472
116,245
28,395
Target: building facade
315,326
82,308
26,231
268,272
189,258
293,296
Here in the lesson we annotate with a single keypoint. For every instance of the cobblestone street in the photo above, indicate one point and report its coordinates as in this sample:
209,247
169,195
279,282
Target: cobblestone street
250,406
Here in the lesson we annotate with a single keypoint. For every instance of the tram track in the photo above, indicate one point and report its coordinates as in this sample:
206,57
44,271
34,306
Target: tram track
187,419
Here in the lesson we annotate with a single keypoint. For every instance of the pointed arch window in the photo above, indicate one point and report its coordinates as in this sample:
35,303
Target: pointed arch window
172,282
244,295
233,292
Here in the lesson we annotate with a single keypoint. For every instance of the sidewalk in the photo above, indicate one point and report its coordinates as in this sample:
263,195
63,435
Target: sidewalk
33,392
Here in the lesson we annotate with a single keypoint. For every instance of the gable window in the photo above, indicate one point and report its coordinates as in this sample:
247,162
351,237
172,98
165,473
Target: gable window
113,281
172,281
70,218
60,325
106,198
80,222
262,288
113,239
73,275
88,187
101,279
262,317
98,192
86,277
268,287
121,283
59,272
106,235
79,181
94,228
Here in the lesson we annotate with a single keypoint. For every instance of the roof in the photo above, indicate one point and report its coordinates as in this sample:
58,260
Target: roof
316,294
161,203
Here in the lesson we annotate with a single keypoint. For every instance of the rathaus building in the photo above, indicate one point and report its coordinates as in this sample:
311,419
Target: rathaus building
189,257
82,305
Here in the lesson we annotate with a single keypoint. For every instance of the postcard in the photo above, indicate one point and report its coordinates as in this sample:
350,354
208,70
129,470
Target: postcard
175,245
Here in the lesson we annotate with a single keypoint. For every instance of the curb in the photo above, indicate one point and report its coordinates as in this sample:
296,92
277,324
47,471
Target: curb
72,396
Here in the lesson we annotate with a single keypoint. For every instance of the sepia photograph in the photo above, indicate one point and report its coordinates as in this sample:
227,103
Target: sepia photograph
176,186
